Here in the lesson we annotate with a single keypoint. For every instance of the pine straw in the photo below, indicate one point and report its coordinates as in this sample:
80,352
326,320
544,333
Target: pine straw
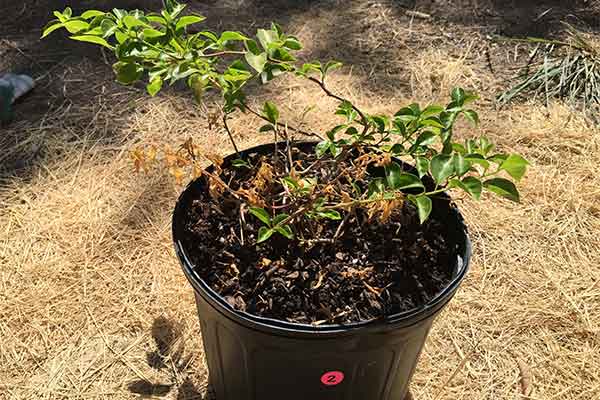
93,303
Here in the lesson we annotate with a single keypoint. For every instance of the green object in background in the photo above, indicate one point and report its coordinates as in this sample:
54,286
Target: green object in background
12,87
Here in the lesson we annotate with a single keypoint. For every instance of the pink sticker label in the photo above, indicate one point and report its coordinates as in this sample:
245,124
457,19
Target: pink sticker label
332,378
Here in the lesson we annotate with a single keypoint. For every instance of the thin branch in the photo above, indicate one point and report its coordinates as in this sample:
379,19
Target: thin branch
230,135
329,93
282,125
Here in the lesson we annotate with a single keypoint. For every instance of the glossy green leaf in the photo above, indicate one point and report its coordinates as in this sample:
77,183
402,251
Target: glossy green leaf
441,166
376,186
232,36
397,179
76,26
51,27
322,148
285,231
264,233
261,214
461,164
431,110
293,44
256,61
154,86
239,163
329,214
279,218
188,20
127,73
472,116
515,166
131,22
458,96
424,206
422,165
470,184
502,187
266,37
92,39
152,33
89,14
271,112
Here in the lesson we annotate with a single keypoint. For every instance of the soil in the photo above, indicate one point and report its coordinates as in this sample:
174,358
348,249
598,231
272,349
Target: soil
373,270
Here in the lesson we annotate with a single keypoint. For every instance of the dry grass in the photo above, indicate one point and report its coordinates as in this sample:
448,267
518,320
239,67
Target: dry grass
93,304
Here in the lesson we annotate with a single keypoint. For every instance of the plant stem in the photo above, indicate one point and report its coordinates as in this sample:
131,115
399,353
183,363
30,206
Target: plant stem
230,135
282,125
329,93
223,53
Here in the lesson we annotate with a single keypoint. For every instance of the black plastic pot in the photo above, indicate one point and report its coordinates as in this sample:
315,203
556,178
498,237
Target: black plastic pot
254,358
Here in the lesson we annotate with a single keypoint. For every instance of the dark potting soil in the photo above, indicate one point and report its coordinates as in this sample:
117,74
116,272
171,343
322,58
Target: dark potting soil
372,270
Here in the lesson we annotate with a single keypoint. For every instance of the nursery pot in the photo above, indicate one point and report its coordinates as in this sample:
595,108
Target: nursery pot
254,358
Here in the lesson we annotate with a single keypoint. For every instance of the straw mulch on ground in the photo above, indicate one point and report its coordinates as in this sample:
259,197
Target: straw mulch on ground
93,303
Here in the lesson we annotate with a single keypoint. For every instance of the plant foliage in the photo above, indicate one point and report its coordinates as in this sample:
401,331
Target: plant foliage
158,49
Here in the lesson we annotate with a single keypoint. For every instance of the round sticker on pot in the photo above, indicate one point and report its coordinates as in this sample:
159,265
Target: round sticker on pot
332,378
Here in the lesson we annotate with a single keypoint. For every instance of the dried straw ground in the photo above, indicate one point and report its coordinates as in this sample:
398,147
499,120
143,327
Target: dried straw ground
92,301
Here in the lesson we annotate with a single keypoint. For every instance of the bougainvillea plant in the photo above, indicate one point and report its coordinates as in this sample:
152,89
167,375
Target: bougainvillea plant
288,197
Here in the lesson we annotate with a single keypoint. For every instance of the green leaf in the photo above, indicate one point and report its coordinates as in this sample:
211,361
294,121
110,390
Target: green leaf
329,214
188,20
152,33
120,14
472,116
432,122
397,179
89,14
131,22
261,214
381,122
266,37
230,35
60,16
473,186
266,128
431,111
293,44
76,26
271,112
461,165
279,218
331,65
424,206
92,39
290,183
422,165
156,19
51,28
475,158
515,166
256,61
108,27
128,73
264,234
470,184
322,148
239,163
286,231
442,166
121,37
425,139
502,187
154,86
376,186
458,96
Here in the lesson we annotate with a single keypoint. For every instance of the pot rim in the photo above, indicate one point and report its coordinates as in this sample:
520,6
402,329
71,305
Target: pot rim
275,326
